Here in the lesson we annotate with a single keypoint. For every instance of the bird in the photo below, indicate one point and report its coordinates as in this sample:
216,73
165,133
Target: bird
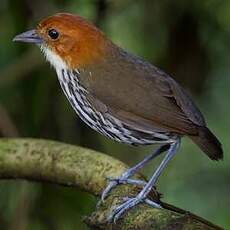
121,96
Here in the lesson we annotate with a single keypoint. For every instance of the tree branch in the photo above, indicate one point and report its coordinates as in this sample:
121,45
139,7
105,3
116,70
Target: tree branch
42,160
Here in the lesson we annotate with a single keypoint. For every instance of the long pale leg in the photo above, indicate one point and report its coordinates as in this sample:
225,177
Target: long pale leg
141,197
124,178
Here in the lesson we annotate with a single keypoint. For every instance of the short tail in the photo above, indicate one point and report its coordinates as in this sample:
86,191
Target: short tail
208,143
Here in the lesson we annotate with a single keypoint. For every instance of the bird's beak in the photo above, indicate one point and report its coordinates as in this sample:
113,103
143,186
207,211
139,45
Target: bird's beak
30,36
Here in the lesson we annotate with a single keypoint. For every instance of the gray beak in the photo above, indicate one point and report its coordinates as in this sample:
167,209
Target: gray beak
29,36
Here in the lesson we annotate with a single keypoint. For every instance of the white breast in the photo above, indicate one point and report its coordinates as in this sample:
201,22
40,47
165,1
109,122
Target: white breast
76,94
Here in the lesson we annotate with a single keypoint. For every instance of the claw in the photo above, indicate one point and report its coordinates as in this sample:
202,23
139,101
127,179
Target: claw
113,182
128,204
124,178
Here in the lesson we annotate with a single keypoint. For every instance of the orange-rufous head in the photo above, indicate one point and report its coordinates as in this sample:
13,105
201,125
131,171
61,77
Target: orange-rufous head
68,40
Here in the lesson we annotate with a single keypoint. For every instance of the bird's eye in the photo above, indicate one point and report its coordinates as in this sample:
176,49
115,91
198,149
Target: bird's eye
53,34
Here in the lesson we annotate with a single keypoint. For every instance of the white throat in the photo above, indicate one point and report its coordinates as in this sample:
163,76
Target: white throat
54,59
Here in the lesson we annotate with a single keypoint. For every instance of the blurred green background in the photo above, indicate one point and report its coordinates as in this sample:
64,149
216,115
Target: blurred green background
189,39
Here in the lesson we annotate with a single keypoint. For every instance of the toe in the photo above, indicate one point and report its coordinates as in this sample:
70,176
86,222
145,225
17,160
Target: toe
121,209
152,203
128,204
106,191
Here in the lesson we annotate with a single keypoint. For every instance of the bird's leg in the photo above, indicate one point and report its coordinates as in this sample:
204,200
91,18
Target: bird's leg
124,178
142,196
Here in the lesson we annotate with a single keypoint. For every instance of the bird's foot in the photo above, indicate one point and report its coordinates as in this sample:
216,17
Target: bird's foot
128,204
113,182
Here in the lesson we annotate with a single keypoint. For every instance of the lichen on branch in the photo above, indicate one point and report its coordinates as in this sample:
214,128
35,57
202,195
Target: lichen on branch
55,162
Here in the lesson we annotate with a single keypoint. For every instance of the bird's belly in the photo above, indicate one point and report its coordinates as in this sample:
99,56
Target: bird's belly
106,125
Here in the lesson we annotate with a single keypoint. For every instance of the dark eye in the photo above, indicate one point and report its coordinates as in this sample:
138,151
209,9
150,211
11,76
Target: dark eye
53,34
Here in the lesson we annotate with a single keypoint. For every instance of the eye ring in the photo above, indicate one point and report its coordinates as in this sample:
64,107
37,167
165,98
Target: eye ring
53,34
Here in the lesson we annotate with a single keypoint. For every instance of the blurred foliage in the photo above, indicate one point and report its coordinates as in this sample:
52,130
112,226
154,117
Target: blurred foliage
189,39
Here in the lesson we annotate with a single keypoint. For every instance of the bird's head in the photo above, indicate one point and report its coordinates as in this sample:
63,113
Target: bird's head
68,41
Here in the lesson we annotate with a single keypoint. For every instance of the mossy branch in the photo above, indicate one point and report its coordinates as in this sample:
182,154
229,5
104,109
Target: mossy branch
49,161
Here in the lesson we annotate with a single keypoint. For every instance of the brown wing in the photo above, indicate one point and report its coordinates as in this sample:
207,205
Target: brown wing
142,95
